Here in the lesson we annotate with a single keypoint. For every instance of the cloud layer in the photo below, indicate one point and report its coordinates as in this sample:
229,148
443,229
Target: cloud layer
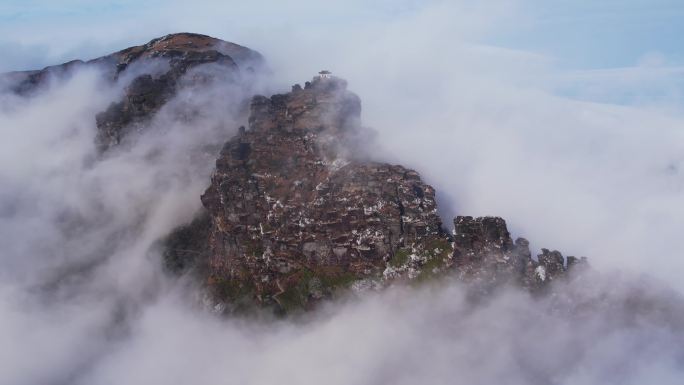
497,131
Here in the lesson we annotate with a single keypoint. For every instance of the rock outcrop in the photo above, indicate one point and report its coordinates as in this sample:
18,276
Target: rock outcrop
296,216
175,61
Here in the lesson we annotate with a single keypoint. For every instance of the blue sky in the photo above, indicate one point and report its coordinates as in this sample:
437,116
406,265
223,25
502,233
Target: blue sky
600,34
618,51
578,34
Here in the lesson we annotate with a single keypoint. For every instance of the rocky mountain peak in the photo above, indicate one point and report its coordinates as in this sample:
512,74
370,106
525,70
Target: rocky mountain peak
185,49
293,216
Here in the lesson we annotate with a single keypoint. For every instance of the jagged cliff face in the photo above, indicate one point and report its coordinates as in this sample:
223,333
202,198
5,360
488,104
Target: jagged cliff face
295,215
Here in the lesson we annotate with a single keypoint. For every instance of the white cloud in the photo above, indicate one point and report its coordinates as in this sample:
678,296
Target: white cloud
481,123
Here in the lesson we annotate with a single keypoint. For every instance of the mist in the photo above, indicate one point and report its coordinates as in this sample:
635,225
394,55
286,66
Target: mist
587,162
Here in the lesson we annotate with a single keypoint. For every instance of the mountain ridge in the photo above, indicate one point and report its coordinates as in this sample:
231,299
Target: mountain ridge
295,213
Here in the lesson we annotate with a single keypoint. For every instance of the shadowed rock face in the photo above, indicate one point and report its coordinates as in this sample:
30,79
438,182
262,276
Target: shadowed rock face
159,69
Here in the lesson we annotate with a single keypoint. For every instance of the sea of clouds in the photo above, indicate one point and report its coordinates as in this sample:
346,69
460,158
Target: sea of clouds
564,156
